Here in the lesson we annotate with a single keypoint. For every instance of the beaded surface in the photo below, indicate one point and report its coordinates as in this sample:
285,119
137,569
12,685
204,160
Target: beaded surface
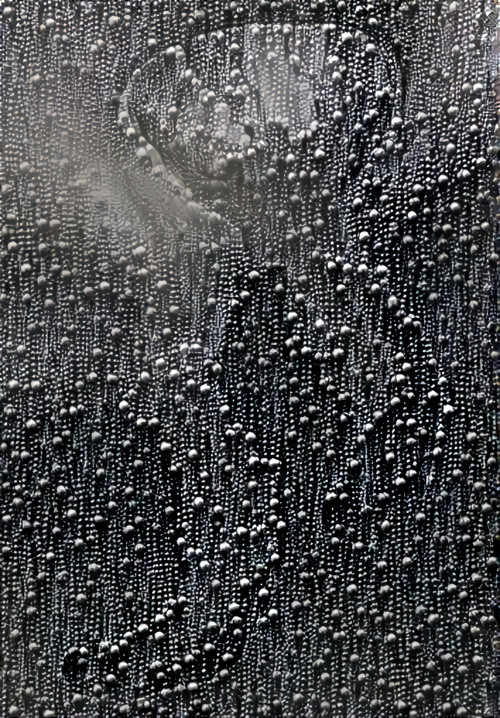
247,331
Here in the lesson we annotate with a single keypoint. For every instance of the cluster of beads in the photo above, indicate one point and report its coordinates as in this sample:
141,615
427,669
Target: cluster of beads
247,322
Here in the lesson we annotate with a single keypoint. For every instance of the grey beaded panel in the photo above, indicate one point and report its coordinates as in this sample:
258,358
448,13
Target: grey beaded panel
247,330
